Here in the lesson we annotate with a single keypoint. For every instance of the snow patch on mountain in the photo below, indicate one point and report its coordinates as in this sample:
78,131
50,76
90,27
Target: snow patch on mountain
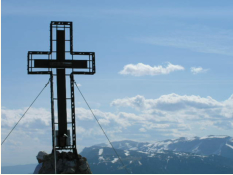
126,153
101,151
195,149
128,145
143,152
114,160
168,158
158,147
191,138
151,155
229,146
219,150
101,158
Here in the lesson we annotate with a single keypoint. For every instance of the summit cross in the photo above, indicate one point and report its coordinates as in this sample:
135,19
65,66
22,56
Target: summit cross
61,35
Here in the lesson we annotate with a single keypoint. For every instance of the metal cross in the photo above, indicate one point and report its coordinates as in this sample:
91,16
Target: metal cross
61,35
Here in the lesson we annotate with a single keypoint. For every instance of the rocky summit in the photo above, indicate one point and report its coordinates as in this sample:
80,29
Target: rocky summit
66,163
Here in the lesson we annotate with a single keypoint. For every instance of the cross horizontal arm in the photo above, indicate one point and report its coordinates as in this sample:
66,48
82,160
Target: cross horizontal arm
41,63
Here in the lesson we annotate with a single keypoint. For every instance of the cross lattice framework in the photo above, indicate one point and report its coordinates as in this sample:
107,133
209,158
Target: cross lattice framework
61,36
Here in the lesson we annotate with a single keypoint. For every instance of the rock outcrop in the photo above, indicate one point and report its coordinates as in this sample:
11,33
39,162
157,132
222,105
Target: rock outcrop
66,163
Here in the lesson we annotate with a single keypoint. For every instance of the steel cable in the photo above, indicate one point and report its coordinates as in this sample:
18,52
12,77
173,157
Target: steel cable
102,129
25,112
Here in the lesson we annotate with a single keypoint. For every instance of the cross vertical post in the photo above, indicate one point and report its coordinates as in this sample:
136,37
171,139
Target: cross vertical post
61,36
61,90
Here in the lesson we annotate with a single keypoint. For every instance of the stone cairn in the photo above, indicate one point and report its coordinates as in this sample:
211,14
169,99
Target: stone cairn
66,163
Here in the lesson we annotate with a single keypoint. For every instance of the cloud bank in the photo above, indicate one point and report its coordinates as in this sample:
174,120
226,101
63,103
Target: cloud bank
171,115
170,102
180,111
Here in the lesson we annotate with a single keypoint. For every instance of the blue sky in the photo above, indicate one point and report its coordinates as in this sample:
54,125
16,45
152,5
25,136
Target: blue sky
164,70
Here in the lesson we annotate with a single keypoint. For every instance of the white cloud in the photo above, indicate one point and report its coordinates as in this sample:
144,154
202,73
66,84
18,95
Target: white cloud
80,129
152,125
170,102
179,112
137,102
130,116
35,115
227,110
104,121
224,125
83,114
142,130
197,70
141,69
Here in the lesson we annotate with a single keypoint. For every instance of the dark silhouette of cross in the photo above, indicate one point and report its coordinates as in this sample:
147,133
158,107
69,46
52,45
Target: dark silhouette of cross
61,35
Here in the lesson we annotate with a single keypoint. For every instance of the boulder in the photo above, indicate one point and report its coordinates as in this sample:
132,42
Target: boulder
66,163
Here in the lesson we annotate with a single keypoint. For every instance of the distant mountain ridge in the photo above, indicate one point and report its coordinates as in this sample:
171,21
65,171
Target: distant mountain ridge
210,145
196,155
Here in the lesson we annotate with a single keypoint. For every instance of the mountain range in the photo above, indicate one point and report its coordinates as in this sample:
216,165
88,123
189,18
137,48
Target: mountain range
196,155
211,154
216,145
